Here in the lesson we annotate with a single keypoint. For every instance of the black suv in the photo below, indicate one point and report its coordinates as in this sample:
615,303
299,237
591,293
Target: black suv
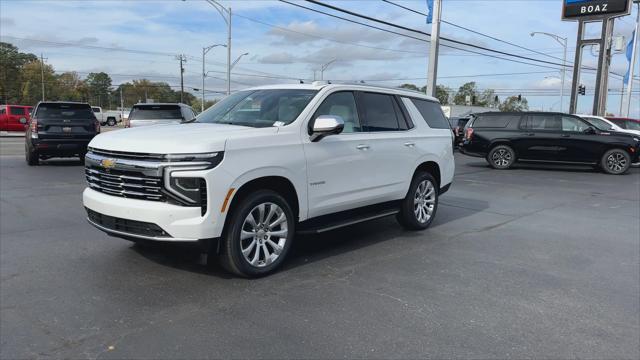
504,138
60,129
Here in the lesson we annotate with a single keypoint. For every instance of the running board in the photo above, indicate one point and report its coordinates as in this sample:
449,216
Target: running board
356,220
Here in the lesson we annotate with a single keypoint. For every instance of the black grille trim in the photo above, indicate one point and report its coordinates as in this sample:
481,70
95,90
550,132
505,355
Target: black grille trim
132,227
129,155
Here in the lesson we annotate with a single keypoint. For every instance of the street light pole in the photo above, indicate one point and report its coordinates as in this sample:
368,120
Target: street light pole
324,67
205,50
562,41
236,61
226,16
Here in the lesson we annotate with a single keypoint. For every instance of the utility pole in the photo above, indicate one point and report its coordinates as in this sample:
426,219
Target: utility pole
432,73
42,73
324,67
632,65
226,16
121,104
182,59
562,41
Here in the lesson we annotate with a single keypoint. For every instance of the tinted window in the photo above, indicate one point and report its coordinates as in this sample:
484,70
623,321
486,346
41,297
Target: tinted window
543,122
380,114
342,104
632,125
17,111
494,121
432,113
259,108
598,123
96,109
155,112
403,121
573,124
3,111
65,111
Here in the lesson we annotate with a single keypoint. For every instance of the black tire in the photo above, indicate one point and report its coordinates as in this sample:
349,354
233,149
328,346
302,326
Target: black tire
231,255
32,157
615,162
111,122
410,216
501,157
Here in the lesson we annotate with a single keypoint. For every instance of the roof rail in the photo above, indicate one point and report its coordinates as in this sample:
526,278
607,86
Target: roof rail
363,83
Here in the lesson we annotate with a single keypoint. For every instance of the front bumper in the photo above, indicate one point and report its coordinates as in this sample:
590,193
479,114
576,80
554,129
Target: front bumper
180,223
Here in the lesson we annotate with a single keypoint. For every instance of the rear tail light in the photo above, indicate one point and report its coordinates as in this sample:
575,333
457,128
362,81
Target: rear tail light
34,128
468,134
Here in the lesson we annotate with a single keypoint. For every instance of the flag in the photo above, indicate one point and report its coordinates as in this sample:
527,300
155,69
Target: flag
628,54
430,9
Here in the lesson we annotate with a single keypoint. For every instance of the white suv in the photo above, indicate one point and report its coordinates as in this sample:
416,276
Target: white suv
269,162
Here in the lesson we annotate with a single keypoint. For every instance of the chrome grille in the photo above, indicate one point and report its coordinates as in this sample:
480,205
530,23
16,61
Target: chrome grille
128,184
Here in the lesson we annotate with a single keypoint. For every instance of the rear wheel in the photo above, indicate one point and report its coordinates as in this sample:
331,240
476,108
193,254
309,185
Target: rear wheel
615,162
111,122
419,206
32,157
501,157
258,235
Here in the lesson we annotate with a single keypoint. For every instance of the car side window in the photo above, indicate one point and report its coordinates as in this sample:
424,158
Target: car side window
379,112
16,111
543,122
432,113
3,111
573,124
342,104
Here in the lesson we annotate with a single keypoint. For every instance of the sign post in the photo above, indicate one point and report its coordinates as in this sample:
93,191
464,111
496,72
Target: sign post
594,11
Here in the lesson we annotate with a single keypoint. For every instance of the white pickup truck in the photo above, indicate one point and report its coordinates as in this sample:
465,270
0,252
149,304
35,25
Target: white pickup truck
109,117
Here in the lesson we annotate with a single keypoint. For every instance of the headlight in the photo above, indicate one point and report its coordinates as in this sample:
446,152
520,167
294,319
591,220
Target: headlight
188,189
209,160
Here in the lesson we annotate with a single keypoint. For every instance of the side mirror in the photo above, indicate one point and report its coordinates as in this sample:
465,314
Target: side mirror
590,130
23,120
325,125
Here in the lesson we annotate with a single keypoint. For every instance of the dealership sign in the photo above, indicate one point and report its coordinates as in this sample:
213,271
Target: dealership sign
594,9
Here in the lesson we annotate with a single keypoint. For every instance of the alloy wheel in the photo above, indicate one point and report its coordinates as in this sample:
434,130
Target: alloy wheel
616,162
424,201
264,234
501,157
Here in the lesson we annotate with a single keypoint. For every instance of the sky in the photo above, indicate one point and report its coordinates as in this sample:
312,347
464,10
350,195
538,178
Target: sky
140,39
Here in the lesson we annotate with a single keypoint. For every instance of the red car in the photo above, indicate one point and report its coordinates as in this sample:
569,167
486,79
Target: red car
14,117
626,123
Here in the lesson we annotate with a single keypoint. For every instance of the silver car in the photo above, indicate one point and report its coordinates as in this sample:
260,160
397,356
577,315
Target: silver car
159,113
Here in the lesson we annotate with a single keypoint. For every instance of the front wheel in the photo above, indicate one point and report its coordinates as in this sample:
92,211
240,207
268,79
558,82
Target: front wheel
501,157
615,162
259,234
419,207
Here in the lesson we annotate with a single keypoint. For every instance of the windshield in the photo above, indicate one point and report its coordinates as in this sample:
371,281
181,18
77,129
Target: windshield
598,123
258,108
65,111
156,112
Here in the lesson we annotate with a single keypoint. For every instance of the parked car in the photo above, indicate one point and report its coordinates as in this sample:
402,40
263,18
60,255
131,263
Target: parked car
604,124
156,114
60,129
457,125
113,117
504,138
99,114
626,123
265,163
14,117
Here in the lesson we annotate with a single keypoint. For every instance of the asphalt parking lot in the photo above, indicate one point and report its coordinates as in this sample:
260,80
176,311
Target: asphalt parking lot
534,262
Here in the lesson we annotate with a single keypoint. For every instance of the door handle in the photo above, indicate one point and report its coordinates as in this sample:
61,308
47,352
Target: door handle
362,147
409,144
565,135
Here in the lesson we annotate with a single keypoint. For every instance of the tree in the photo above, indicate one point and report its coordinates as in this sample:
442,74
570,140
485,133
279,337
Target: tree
99,85
469,89
442,93
195,104
513,104
409,87
70,87
487,98
31,83
12,62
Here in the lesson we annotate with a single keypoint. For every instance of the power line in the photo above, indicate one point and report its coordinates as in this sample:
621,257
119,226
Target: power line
352,13
475,31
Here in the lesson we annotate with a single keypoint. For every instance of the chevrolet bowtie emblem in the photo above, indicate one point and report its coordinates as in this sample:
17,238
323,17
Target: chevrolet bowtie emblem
108,163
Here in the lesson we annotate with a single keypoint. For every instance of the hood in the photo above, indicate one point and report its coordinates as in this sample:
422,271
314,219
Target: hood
174,139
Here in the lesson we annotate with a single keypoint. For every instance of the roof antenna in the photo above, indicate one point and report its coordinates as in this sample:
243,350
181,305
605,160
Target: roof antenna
361,81
328,81
301,82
